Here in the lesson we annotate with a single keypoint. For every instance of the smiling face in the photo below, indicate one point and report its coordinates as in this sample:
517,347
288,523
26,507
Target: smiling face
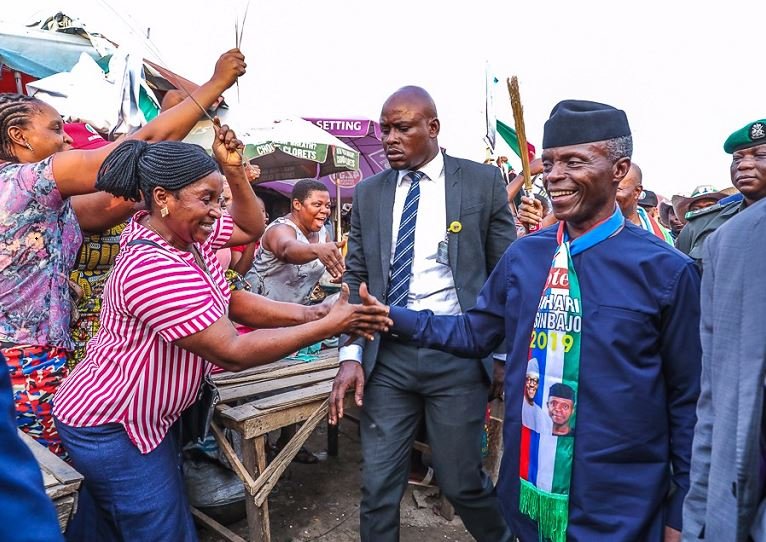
409,128
192,210
748,172
530,388
582,183
44,132
313,211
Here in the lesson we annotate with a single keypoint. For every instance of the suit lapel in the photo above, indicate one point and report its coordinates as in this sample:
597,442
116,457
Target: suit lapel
453,188
386,211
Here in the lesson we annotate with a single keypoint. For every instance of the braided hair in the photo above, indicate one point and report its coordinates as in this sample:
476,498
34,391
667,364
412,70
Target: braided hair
15,110
136,168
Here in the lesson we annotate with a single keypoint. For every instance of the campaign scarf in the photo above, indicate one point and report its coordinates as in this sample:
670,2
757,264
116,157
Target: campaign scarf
545,466
651,225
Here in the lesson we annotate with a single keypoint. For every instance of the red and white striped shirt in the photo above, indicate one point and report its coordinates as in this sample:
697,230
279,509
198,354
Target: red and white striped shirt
132,373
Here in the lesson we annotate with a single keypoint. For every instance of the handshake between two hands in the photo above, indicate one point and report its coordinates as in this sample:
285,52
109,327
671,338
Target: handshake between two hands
357,320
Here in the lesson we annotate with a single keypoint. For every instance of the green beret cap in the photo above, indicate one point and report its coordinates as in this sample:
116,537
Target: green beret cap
750,135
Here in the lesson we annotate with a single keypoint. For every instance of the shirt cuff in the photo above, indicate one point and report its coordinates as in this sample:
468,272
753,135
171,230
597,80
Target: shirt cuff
352,352
674,510
500,356
405,321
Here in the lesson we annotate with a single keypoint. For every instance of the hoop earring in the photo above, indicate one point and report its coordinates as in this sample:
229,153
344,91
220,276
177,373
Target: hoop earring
29,146
164,212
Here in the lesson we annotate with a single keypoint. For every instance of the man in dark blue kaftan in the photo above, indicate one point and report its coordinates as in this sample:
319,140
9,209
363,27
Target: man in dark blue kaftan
639,361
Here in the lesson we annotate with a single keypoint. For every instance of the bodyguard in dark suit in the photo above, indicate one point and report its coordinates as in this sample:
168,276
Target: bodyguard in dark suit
424,234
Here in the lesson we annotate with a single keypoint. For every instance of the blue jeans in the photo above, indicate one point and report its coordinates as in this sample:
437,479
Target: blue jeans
128,495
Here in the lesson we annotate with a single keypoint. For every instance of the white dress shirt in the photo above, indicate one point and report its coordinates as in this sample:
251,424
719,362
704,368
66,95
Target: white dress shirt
431,283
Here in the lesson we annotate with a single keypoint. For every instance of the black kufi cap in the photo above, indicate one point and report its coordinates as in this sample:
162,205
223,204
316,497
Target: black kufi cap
561,390
574,122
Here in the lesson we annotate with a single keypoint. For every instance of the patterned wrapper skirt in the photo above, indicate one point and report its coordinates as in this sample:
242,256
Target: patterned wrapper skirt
36,373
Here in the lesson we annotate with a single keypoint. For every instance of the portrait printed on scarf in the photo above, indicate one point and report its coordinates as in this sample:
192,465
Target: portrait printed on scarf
532,415
561,406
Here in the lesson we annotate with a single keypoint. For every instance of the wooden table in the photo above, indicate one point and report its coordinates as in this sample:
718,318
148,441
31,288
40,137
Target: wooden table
263,399
60,480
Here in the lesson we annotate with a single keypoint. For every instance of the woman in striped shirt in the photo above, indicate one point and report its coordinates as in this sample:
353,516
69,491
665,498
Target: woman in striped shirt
41,189
164,320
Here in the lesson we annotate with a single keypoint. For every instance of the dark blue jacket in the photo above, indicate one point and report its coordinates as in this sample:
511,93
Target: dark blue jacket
638,384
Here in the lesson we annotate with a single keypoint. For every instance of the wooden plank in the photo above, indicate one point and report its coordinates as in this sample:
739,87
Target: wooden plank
282,401
61,490
228,377
269,477
211,524
254,458
295,369
294,397
242,391
262,423
50,462
48,479
495,440
64,509
274,370
236,464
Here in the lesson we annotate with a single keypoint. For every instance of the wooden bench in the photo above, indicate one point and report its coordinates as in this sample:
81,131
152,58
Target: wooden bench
263,399
60,480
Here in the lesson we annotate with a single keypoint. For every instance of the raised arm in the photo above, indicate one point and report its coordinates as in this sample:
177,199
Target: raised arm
246,209
75,171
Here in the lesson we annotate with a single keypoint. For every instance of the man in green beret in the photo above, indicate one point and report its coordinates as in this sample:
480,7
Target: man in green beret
748,175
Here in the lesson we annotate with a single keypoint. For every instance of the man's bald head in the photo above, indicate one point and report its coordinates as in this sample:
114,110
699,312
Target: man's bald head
413,96
629,191
410,128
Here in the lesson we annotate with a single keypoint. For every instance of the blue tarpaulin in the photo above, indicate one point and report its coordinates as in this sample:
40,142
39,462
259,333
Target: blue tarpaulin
41,53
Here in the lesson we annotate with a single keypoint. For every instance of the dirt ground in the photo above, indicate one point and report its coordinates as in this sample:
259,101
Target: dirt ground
320,502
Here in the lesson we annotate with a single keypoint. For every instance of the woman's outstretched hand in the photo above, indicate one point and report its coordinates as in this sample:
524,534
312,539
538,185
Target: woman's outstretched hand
363,320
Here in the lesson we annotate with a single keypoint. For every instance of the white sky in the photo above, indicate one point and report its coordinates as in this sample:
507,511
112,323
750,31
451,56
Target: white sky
686,75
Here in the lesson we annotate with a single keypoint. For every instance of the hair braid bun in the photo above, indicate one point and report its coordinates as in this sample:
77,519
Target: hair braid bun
136,166
118,175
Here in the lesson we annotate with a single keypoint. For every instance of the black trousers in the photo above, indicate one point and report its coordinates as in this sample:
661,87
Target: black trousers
406,385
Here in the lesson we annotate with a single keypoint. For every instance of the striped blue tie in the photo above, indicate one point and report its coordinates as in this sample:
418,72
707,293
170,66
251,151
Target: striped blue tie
401,267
